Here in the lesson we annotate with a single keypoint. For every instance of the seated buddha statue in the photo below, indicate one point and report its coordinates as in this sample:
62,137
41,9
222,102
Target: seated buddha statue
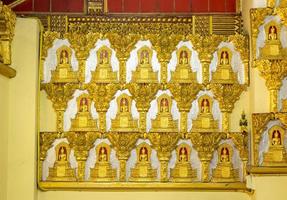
273,47
104,72
224,171
144,72
143,170
64,72
83,120
204,121
276,154
124,121
224,73
183,71
62,171
103,170
163,121
183,172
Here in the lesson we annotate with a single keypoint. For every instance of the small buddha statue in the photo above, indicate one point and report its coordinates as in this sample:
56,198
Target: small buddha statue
103,171
143,157
84,105
64,57
272,34
183,58
124,105
224,158
164,105
144,57
183,155
103,155
104,56
205,106
62,156
276,138
224,60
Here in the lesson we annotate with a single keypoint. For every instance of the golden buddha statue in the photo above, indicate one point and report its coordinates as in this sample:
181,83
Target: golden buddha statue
224,73
183,172
62,171
83,120
224,171
205,121
124,121
273,47
144,72
276,155
143,171
183,72
64,72
104,72
103,171
163,121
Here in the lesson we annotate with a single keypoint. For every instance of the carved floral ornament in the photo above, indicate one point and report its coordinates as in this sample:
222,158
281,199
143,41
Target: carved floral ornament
7,25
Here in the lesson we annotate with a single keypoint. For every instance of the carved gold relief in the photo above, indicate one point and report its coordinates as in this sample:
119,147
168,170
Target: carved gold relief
224,171
143,170
273,47
124,121
182,171
144,72
224,73
276,155
103,171
83,120
164,121
64,72
183,72
62,170
104,72
205,121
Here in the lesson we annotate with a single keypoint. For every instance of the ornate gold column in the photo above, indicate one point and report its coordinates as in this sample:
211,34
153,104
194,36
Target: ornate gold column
46,140
273,71
184,94
123,44
205,144
143,94
164,143
227,95
205,50
81,41
123,144
164,43
102,94
59,94
82,142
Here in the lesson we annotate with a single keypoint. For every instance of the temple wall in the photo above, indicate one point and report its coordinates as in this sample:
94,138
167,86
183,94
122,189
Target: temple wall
18,130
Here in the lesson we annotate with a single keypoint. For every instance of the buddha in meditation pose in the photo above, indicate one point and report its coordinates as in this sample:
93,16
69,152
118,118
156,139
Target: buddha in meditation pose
164,105
143,155
272,35
103,154
183,155
224,60
62,154
276,138
205,106
64,57
104,57
144,57
224,155
183,58
124,105
84,105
